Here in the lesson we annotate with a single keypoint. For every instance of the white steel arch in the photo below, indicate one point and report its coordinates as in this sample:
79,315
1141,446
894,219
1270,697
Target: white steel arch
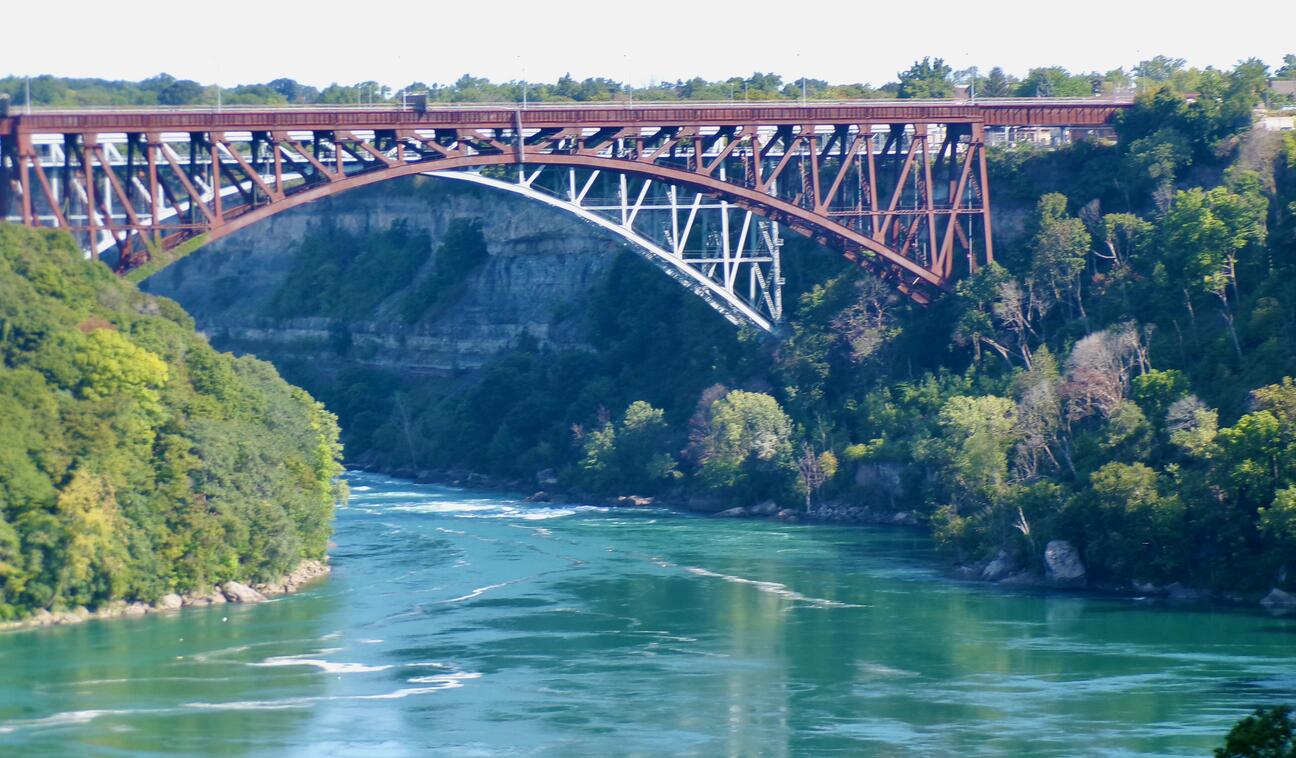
717,266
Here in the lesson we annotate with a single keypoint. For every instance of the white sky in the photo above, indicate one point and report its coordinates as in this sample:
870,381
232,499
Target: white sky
395,43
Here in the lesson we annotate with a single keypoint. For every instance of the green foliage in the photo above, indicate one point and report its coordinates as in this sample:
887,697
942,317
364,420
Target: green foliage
323,278
978,432
1091,385
134,459
997,84
461,251
742,443
1267,733
538,408
1132,529
630,455
926,78
1055,81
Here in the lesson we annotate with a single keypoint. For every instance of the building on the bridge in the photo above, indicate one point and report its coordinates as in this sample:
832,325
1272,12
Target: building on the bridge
1283,87
1034,135
1047,136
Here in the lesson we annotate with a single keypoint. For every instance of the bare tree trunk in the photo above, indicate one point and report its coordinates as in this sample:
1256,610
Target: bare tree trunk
1227,313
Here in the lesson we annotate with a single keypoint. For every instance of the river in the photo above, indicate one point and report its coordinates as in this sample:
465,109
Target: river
467,623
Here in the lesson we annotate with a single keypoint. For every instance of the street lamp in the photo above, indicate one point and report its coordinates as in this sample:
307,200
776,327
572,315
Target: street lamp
803,79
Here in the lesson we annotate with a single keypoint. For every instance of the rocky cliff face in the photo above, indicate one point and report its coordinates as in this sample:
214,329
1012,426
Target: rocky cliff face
540,263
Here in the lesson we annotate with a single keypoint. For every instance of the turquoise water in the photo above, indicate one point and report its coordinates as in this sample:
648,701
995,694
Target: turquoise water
465,623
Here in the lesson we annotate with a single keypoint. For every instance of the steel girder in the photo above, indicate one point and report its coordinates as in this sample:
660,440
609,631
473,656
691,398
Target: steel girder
908,199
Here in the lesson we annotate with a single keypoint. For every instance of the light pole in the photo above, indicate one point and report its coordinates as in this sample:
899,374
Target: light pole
522,66
803,79
629,85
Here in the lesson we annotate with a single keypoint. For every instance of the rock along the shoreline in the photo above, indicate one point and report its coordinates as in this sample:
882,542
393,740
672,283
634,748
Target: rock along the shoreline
306,571
238,592
1062,563
1279,599
169,602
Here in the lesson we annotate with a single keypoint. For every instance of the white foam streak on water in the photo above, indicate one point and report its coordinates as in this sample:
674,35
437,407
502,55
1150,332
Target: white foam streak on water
67,718
137,680
879,670
526,514
447,681
437,684
774,588
332,667
434,507
479,591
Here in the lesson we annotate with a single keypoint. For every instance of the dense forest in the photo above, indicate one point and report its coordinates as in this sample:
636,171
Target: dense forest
1119,379
929,78
135,460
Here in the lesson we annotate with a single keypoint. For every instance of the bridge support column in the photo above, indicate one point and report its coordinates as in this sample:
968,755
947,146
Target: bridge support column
978,143
8,169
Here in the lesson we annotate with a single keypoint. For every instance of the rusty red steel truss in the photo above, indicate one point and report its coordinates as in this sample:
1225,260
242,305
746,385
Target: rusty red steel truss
898,187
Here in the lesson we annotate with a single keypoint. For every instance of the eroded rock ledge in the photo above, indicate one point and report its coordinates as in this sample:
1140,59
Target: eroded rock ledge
229,592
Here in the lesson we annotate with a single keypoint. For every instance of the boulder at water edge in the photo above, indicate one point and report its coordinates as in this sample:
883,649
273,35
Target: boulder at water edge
169,602
1000,567
1279,599
237,592
1062,563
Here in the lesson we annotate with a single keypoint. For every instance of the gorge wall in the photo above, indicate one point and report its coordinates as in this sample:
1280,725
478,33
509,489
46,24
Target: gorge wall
538,264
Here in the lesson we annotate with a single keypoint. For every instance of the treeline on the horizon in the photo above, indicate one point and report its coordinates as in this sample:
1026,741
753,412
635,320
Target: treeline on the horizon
927,78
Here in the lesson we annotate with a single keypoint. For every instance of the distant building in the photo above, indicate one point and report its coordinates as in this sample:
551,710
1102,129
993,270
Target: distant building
1277,123
1285,87
1036,135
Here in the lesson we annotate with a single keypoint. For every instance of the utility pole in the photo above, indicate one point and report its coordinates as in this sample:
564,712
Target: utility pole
28,98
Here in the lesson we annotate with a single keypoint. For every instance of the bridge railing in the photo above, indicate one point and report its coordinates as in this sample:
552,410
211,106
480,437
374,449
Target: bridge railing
1097,100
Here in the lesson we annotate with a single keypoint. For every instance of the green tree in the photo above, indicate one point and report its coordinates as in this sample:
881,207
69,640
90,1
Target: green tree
628,456
978,433
1137,532
182,92
927,78
1267,733
1288,68
997,84
1054,81
1060,248
744,445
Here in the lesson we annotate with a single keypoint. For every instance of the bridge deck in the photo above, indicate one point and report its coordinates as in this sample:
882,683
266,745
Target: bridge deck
1078,112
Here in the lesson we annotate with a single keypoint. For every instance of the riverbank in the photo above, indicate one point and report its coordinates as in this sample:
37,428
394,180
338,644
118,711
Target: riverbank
1063,569
229,592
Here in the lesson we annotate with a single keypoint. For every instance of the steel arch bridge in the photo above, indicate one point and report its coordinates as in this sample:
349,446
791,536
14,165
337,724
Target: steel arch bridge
899,187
